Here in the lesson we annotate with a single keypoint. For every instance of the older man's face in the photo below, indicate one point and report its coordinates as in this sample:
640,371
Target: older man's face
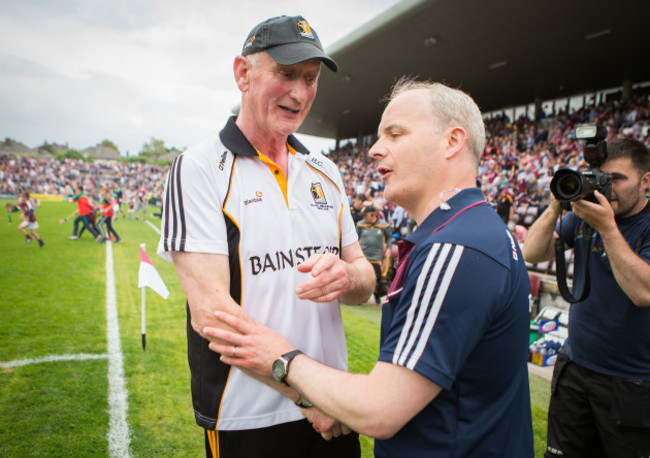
280,96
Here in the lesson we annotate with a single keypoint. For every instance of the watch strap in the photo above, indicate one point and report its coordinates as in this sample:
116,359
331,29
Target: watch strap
292,354
287,357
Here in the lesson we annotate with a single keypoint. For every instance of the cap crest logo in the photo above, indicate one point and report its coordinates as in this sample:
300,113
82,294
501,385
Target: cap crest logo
250,42
305,30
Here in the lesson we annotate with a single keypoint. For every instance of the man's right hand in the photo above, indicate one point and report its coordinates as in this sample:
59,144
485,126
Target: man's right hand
326,426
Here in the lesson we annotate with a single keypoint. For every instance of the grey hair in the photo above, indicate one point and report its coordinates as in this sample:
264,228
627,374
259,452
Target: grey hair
253,59
449,106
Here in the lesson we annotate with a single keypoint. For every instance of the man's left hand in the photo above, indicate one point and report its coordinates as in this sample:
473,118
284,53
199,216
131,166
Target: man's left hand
330,278
599,215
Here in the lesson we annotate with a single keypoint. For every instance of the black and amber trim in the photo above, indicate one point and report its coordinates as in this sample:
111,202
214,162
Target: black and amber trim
174,210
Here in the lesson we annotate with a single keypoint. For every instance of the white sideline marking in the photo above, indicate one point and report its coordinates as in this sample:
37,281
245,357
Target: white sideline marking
152,226
52,358
119,436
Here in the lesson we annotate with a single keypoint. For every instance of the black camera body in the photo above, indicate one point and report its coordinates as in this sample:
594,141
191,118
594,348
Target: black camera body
568,185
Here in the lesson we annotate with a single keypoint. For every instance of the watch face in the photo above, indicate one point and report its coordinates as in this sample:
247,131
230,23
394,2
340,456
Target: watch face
278,370
302,402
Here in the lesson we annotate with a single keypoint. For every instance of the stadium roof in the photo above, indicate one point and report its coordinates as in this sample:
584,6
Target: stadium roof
505,53
101,152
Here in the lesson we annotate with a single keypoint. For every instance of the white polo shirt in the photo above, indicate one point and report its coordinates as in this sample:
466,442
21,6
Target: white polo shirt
224,197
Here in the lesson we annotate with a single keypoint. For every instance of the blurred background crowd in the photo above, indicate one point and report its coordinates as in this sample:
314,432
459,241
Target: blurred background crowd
515,171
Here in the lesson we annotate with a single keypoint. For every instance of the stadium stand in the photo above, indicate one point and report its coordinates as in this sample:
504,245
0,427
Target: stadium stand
521,156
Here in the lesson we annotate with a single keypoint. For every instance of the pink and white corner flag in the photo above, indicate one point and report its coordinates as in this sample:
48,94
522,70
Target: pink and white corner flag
149,276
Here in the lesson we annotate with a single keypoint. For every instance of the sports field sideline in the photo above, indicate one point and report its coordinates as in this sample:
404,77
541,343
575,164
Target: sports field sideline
74,380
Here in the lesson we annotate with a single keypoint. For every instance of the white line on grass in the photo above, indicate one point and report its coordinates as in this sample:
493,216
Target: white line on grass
152,226
118,403
52,358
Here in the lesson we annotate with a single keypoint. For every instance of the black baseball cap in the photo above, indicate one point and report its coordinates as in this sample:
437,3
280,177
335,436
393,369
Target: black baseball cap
288,40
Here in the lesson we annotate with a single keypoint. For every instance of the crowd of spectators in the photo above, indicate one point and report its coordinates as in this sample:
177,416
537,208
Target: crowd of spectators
520,157
56,177
518,163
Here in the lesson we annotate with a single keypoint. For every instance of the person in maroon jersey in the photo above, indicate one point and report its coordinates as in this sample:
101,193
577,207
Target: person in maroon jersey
29,225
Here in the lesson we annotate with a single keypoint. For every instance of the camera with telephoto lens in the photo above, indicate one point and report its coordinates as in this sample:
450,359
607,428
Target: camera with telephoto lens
568,185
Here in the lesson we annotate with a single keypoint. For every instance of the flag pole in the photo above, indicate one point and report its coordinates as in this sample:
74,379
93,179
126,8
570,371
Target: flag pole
144,307
149,277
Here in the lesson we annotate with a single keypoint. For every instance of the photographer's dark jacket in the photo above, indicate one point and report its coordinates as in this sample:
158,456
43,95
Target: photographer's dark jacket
607,332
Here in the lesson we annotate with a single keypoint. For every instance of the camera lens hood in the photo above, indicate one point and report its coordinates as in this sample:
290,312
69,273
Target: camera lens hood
567,185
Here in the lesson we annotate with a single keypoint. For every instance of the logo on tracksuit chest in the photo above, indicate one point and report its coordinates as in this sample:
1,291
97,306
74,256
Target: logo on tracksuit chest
257,198
318,195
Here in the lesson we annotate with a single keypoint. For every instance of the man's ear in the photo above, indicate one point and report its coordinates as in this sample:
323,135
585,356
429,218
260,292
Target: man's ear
645,182
456,141
242,70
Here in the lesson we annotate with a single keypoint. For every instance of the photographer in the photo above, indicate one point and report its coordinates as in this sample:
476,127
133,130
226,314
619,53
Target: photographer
600,401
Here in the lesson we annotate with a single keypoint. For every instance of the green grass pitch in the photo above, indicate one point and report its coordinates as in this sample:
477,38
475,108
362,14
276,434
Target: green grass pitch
54,304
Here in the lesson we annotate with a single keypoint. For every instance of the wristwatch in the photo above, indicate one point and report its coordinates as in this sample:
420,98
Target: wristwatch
280,367
304,403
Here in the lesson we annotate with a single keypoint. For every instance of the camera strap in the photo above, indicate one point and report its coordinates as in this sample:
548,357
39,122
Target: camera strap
560,266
